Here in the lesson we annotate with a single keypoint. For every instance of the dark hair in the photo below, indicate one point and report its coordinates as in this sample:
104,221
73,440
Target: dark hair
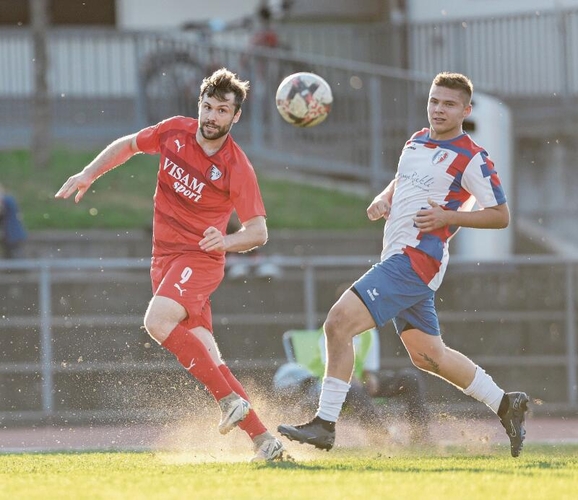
223,82
455,81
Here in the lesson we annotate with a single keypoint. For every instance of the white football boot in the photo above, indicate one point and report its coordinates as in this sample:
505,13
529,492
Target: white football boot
269,450
234,409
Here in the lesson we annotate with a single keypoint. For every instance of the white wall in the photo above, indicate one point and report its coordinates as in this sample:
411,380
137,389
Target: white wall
429,10
152,14
155,14
342,10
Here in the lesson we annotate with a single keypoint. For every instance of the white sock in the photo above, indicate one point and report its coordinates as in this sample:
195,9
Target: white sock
333,392
484,389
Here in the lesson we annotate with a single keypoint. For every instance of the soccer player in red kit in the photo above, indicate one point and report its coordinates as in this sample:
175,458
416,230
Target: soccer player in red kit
203,176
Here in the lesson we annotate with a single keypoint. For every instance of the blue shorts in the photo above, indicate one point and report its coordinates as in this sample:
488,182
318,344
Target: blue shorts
391,290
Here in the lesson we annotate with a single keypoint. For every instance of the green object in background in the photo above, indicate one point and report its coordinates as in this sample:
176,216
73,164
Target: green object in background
306,347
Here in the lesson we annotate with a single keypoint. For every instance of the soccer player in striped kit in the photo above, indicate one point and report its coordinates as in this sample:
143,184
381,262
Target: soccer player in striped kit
441,173
203,176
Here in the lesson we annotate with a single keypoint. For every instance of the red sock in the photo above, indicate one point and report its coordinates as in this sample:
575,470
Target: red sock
193,355
251,424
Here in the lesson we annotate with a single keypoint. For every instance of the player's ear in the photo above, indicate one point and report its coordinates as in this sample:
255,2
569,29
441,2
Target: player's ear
237,116
467,110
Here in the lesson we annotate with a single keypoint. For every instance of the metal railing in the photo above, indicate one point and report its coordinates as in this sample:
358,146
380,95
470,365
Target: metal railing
106,83
544,324
528,54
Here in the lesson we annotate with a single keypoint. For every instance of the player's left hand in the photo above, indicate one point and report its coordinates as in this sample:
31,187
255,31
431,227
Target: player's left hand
213,241
430,219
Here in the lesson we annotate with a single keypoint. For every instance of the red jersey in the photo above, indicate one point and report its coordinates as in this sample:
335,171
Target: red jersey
195,191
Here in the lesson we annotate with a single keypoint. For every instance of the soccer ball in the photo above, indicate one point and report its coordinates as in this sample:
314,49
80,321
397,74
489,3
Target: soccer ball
304,99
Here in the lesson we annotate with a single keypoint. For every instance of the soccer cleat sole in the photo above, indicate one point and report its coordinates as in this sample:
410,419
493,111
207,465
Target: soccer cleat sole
286,431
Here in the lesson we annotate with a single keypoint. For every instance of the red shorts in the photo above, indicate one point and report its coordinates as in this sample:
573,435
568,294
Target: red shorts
189,280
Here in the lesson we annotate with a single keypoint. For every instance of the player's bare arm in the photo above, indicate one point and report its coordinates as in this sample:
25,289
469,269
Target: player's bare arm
427,220
381,204
112,156
252,234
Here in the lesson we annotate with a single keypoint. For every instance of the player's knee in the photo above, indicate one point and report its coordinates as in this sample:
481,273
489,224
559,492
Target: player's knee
334,325
154,327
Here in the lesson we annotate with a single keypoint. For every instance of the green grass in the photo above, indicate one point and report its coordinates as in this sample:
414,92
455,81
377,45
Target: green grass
123,197
542,472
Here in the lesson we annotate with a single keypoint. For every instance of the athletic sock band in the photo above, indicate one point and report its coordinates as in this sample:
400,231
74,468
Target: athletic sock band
333,393
484,389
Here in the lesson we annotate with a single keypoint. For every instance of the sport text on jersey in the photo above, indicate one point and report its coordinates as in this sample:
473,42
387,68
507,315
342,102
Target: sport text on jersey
185,184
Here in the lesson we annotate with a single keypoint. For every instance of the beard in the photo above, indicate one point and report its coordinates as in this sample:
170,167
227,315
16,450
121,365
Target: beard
215,132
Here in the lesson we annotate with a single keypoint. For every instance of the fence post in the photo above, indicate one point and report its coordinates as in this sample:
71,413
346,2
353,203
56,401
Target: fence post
45,313
376,130
309,297
571,336
140,101
257,114
567,63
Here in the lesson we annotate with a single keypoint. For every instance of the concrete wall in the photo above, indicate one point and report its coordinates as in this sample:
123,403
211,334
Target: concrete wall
510,318
151,14
431,10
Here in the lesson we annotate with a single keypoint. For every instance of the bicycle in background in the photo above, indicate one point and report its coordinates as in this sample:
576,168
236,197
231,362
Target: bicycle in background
173,72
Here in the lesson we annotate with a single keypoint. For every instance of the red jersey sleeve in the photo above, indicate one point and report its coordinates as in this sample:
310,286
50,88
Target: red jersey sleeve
148,139
244,190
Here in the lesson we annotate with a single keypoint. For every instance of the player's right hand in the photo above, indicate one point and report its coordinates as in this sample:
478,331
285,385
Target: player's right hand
213,241
79,182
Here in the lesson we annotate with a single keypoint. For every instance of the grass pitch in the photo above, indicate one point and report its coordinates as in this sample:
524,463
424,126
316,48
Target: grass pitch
542,472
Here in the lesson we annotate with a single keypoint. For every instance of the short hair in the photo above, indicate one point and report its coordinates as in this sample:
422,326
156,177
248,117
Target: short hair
223,82
455,81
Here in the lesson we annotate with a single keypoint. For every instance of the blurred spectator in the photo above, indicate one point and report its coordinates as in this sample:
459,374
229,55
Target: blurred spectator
12,231
264,34
368,381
